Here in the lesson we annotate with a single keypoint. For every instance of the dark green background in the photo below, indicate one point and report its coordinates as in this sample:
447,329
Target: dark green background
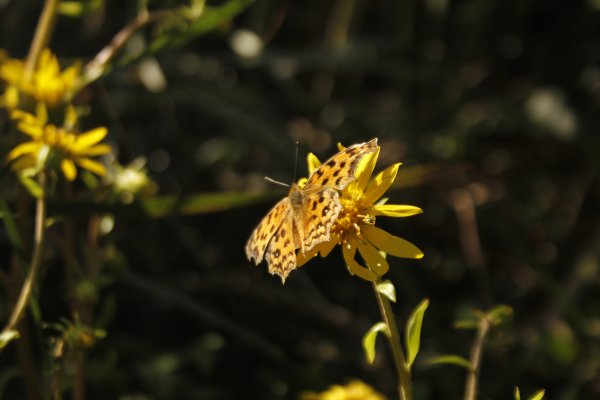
494,98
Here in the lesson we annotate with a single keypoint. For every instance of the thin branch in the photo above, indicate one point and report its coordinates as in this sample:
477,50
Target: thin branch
97,66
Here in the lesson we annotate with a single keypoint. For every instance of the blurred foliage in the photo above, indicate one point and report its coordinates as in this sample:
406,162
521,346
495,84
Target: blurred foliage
496,105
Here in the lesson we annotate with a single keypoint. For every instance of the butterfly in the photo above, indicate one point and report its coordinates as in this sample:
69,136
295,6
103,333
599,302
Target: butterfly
304,218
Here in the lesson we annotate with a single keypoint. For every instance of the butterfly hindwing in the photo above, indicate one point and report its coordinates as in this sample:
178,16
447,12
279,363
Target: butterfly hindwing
264,231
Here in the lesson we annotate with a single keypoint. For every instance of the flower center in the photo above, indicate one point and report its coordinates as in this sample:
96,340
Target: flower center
58,138
354,214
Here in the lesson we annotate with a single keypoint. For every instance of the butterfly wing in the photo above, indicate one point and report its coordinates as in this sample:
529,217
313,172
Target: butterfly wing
281,253
320,211
266,229
338,171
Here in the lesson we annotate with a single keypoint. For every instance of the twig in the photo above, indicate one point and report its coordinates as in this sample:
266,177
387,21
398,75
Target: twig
97,66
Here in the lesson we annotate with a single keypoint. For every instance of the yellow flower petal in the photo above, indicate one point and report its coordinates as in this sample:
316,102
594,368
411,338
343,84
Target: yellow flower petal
68,169
34,131
395,210
392,245
41,113
349,251
303,258
381,183
325,248
365,168
70,117
23,148
97,150
376,262
91,165
90,138
11,97
312,162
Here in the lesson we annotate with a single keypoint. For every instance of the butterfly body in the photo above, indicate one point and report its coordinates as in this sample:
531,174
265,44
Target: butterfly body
304,218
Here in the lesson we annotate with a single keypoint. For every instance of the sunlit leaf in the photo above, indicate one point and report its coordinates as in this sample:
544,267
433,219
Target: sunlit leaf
7,337
387,289
370,338
499,314
517,393
413,332
539,395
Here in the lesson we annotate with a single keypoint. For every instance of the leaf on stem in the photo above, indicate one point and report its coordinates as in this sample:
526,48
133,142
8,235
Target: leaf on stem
451,359
387,289
369,339
413,332
517,393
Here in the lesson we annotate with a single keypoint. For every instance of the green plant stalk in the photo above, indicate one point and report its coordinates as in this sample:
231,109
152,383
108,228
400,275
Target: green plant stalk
404,378
41,38
38,246
475,359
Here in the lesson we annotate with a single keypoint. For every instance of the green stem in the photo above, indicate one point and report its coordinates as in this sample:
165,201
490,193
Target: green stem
404,378
38,243
42,35
476,350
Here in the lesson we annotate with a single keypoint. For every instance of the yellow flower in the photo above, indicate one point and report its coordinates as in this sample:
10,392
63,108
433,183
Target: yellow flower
355,227
48,84
51,145
354,390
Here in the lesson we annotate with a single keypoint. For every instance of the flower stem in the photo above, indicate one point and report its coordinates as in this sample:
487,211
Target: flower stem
42,35
38,243
404,378
476,349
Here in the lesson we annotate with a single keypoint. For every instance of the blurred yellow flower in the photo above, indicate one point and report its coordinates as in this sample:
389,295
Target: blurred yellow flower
354,390
47,84
355,227
57,146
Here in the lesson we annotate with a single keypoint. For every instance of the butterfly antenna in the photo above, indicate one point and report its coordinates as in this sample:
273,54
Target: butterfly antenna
276,182
296,161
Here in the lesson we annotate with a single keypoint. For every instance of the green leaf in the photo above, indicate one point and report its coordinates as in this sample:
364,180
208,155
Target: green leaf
413,332
75,9
369,339
539,395
387,289
189,22
517,393
162,206
450,359
31,185
9,223
499,314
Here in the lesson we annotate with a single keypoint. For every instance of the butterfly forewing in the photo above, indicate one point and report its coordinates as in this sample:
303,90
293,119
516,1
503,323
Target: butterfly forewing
338,171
